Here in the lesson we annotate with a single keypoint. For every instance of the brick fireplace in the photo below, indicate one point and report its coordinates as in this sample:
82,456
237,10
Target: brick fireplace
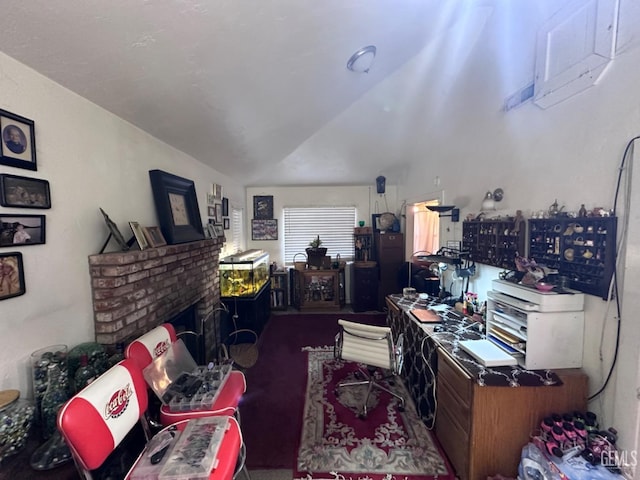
134,291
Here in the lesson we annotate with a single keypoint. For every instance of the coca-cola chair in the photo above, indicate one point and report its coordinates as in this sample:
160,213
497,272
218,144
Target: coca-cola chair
153,344
97,419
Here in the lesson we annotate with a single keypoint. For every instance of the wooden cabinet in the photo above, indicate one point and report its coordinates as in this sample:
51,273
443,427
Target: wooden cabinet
364,286
279,290
494,242
319,289
482,429
390,258
582,249
253,312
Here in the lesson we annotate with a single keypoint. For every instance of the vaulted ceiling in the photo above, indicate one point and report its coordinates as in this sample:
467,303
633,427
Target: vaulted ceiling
244,86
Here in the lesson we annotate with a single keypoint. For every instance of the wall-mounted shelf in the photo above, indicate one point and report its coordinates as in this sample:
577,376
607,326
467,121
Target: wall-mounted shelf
582,249
494,242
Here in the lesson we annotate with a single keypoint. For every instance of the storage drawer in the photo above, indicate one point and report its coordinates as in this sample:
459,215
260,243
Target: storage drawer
457,378
450,402
454,441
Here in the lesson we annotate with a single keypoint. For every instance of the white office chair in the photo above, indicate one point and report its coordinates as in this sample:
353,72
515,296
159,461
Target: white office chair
372,346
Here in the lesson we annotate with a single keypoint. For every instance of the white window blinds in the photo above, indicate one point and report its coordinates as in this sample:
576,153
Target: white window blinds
237,230
333,224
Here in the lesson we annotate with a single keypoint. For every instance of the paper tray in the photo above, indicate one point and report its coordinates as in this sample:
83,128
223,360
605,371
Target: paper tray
487,353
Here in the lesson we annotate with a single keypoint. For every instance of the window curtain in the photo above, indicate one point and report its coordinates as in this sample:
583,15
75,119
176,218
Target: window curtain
426,230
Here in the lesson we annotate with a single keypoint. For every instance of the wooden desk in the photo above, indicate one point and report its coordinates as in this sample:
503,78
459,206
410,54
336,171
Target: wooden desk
482,428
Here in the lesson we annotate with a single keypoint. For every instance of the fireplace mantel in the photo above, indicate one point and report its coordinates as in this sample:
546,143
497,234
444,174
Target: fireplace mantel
134,291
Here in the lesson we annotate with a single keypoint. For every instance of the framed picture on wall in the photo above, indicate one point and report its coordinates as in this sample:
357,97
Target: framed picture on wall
21,230
24,192
266,229
263,207
217,192
11,275
18,141
225,207
218,213
226,224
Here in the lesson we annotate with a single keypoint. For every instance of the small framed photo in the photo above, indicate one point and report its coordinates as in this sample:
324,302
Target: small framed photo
211,211
217,192
21,230
219,232
138,233
24,192
11,275
212,231
210,199
263,207
225,207
264,229
226,224
154,236
114,232
18,145
218,213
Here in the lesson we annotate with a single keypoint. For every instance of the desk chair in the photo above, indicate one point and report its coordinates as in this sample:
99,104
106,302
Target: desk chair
97,419
372,346
154,343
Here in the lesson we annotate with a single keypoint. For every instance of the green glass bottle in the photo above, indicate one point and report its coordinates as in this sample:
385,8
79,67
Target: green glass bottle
53,398
85,374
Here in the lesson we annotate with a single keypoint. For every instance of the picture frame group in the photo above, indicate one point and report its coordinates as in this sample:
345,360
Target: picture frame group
147,237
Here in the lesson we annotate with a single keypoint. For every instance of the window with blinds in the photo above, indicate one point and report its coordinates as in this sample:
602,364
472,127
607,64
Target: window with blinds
333,224
237,230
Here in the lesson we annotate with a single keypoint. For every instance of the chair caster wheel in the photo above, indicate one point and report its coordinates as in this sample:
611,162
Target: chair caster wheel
336,392
401,409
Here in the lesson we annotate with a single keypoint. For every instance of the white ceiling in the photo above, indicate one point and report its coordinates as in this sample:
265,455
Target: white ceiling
239,85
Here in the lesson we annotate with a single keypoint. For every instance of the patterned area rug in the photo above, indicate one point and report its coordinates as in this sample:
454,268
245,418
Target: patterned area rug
337,445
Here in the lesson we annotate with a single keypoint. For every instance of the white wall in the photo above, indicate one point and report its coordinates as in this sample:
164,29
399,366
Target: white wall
570,152
92,159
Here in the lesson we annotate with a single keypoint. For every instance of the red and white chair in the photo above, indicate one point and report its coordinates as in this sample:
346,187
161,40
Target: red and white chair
154,343
96,420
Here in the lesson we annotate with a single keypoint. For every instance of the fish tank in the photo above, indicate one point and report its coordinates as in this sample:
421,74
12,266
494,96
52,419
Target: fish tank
243,274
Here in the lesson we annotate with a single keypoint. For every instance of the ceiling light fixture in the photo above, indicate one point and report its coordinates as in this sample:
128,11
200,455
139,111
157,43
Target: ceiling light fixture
361,61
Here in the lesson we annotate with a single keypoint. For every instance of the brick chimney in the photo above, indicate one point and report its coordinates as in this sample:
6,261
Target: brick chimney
134,291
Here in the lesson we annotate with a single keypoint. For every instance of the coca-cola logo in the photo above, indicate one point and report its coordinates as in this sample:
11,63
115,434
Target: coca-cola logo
118,402
161,348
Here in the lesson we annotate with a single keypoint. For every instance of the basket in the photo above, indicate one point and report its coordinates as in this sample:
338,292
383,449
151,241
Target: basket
298,265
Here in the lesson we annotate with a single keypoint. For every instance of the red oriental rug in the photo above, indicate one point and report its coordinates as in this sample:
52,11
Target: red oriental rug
337,445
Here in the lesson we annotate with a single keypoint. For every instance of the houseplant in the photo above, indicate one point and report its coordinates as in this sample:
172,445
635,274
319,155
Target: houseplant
315,253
